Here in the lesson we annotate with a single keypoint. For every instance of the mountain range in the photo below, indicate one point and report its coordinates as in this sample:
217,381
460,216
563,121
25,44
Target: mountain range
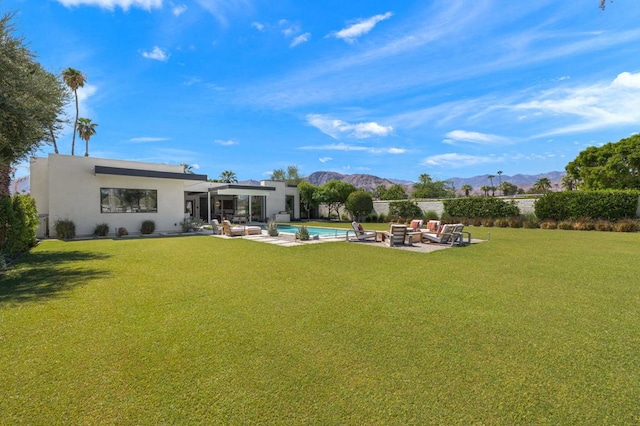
370,182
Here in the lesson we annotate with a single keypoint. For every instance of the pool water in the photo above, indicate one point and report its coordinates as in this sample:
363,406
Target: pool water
314,230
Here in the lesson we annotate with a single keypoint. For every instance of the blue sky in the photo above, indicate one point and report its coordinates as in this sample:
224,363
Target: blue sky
394,89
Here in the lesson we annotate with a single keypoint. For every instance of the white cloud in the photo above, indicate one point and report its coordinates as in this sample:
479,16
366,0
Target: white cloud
456,160
335,147
157,54
349,148
595,107
112,4
179,10
229,142
302,38
627,79
148,139
324,159
221,9
258,26
336,128
361,27
474,138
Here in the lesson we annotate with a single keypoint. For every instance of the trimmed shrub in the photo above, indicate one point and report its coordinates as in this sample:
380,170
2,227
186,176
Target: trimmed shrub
476,221
18,224
584,224
530,221
603,225
65,229
403,210
548,224
480,207
626,225
101,230
359,204
501,222
382,218
571,205
566,225
122,231
515,222
148,226
487,221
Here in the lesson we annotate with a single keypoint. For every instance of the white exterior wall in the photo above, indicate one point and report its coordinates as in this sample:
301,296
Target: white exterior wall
277,200
69,189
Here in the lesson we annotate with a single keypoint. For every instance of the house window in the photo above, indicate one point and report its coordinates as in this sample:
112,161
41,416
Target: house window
120,200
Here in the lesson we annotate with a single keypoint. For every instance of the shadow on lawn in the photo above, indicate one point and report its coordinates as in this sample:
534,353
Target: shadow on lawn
40,276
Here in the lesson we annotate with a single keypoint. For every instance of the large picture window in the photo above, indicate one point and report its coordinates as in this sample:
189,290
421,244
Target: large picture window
119,200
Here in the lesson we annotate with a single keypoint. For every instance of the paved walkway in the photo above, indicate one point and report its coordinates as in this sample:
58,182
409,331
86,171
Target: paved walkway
289,241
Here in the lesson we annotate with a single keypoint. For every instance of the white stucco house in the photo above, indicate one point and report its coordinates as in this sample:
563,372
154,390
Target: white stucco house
91,191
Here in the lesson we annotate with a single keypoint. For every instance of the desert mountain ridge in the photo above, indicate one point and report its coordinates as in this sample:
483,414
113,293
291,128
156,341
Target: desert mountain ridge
369,182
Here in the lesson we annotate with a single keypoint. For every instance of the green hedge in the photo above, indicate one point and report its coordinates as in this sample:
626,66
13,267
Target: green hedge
404,210
480,207
571,205
18,224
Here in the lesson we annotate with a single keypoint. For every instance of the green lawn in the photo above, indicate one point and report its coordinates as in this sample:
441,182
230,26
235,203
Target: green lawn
532,327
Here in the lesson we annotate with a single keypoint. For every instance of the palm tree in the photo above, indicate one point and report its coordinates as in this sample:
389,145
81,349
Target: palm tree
493,188
542,185
485,189
74,79
86,129
228,176
187,168
499,177
467,189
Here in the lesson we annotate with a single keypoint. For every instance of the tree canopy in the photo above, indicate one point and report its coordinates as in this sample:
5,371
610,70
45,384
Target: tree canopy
615,165
31,99
334,194
394,192
359,204
291,175
428,188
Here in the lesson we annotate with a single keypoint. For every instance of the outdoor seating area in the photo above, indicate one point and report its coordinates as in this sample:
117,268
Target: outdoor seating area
238,230
433,233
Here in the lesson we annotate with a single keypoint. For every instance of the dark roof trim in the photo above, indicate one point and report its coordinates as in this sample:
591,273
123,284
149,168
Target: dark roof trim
232,186
119,171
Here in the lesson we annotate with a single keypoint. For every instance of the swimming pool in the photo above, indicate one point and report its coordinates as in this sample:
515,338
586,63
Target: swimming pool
314,230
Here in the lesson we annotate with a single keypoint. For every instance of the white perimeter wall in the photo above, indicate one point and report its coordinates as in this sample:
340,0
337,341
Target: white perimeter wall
66,187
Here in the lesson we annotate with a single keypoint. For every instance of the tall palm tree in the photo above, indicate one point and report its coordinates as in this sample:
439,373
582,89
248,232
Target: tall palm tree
467,189
86,129
228,176
74,79
493,188
499,177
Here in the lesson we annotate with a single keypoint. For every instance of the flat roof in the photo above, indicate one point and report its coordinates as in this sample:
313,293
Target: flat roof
121,171
237,186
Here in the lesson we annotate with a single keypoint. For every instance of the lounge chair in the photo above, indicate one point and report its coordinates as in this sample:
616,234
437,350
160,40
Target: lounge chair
415,225
215,226
433,226
232,231
360,234
396,235
449,234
